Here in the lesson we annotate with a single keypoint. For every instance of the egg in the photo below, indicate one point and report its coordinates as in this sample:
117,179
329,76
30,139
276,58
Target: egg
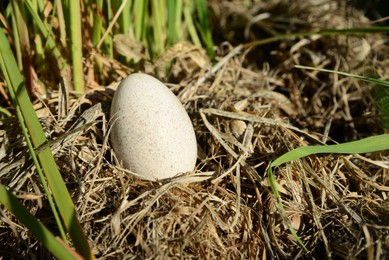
152,134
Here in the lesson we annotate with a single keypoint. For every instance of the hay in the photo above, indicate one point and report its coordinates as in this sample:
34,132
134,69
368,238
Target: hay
247,109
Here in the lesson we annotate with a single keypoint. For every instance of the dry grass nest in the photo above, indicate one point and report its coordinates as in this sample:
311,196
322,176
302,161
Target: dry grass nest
247,109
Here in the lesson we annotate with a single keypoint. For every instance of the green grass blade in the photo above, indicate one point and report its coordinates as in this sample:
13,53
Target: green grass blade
280,207
140,14
21,22
97,22
367,79
125,18
35,132
36,227
366,145
190,24
359,31
158,25
174,32
17,45
76,45
39,48
325,32
5,112
43,27
61,22
204,29
30,147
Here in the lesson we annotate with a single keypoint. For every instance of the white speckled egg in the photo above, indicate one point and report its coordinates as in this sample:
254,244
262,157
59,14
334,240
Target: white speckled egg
152,134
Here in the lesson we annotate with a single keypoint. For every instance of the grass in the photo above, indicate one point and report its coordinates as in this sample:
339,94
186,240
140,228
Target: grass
51,242
44,160
243,137
76,44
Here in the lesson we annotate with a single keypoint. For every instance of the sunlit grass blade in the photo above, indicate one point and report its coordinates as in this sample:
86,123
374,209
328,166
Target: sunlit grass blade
158,25
59,250
5,112
76,45
10,76
125,18
140,14
366,145
29,121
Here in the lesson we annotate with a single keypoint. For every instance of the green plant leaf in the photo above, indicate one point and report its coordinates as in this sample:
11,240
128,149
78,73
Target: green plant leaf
367,79
58,249
366,145
361,31
33,131
76,45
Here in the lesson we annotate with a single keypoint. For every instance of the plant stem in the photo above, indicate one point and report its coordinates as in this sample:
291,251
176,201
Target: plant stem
76,45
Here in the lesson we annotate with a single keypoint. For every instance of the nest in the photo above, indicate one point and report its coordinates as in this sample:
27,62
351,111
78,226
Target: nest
247,109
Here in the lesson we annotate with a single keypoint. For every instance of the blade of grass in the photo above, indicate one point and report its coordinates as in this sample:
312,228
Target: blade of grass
59,250
280,207
46,160
158,25
368,79
76,45
15,32
97,22
6,73
190,24
61,22
43,27
5,112
174,32
204,29
38,43
18,8
125,18
140,14
325,32
366,145
107,37
112,22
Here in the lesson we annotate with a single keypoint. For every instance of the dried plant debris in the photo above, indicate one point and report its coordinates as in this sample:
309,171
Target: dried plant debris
248,108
